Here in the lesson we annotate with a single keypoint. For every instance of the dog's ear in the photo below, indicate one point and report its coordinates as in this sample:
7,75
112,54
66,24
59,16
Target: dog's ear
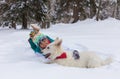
58,42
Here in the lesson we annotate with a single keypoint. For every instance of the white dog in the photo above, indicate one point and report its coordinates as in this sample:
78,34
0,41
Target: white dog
84,59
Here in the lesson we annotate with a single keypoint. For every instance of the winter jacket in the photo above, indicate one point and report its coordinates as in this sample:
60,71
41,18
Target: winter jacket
34,44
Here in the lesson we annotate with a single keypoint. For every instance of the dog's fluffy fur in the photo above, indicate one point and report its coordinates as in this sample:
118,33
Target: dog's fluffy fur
88,59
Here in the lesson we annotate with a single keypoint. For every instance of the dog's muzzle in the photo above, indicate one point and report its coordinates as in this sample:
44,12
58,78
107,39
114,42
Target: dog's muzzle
47,55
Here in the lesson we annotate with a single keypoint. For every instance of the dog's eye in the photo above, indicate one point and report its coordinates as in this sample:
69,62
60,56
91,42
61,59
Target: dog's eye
48,47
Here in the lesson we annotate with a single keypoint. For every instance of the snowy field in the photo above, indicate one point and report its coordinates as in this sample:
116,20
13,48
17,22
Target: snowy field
18,61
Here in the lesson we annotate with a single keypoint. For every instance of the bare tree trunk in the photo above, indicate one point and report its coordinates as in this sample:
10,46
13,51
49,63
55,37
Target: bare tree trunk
24,21
114,11
43,25
48,24
118,10
24,16
13,24
98,12
92,8
75,11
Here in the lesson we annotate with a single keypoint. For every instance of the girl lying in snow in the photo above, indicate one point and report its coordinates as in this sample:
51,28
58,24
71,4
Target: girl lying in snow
38,41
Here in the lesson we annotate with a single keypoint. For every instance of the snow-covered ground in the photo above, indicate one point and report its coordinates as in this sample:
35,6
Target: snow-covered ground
18,61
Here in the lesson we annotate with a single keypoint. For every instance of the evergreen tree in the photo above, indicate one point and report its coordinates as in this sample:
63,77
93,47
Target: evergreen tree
24,10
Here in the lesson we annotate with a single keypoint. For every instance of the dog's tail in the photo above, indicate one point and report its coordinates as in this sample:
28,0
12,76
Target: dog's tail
107,61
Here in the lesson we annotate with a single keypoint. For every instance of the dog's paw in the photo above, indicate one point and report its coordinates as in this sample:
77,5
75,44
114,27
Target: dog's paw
48,61
76,54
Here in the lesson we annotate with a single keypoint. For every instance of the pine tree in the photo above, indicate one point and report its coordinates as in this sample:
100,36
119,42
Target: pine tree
24,10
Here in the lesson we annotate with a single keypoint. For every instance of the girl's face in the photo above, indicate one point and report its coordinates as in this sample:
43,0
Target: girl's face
44,43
